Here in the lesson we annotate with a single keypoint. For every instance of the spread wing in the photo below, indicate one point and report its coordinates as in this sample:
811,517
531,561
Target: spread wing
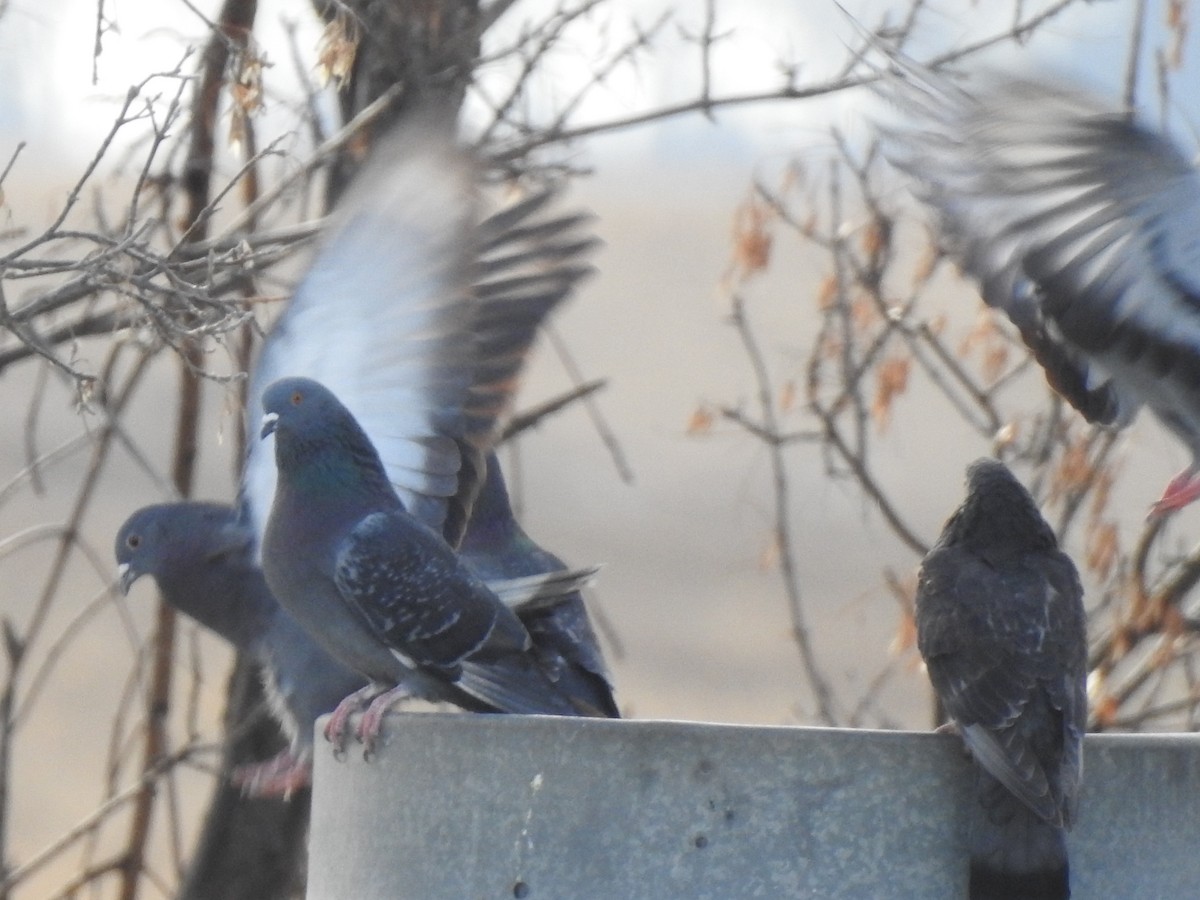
1083,227
418,317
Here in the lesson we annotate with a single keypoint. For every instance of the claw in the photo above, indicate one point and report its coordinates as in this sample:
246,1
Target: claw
339,719
372,718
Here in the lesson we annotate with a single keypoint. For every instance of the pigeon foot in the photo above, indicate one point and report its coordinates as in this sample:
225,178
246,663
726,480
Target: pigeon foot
1183,489
280,776
339,719
372,719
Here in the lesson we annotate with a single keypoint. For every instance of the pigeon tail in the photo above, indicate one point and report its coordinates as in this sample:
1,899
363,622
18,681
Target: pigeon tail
531,593
515,684
990,884
1015,853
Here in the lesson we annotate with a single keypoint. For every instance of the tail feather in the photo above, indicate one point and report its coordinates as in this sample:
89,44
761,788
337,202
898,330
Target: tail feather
1015,854
535,592
515,685
990,884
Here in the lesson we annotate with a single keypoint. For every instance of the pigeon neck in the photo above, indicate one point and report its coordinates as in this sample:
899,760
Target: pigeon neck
332,469
233,601
1000,525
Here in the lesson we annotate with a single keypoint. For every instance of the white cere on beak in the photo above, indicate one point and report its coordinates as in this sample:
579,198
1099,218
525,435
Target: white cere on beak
125,578
268,423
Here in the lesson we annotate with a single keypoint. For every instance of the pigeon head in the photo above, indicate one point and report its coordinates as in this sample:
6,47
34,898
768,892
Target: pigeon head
302,411
298,406
201,557
151,540
169,540
998,515
314,431
139,546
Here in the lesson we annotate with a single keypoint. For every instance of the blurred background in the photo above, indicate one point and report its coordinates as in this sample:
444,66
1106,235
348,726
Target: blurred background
731,205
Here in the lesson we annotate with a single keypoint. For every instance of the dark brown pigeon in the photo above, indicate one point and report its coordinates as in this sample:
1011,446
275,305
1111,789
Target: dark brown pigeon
1001,626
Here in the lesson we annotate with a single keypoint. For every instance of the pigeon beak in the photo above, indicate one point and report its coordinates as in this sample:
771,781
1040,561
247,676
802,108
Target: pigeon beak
126,576
269,422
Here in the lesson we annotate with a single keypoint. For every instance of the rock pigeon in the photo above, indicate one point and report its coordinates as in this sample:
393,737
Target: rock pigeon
1081,225
202,558
417,313
383,591
201,555
496,547
1002,630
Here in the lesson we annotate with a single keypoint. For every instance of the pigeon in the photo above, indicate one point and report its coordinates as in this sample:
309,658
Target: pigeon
496,547
1002,630
417,313
201,556
1081,225
384,592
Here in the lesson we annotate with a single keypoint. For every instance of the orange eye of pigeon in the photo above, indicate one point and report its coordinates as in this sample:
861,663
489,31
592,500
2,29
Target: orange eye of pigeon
133,541
296,398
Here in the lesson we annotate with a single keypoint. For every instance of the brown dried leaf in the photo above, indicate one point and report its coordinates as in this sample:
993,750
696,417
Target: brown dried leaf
905,637
926,265
863,312
1102,491
827,292
701,421
336,50
982,335
245,94
877,236
830,347
890,382
1103,549
995,361
787,396
809,226
751,239
1074,470
1106,709
1173,622
795,177
1176,15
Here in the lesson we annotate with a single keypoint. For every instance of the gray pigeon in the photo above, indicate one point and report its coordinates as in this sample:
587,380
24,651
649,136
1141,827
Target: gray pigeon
201,555
418,313
202,558
383,591
496,547
1081,225
1001,626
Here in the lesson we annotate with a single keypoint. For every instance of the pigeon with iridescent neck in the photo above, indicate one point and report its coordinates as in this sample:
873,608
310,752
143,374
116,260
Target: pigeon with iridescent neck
391,598
417,315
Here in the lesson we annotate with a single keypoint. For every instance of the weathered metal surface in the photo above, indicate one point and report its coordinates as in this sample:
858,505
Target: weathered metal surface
496,807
